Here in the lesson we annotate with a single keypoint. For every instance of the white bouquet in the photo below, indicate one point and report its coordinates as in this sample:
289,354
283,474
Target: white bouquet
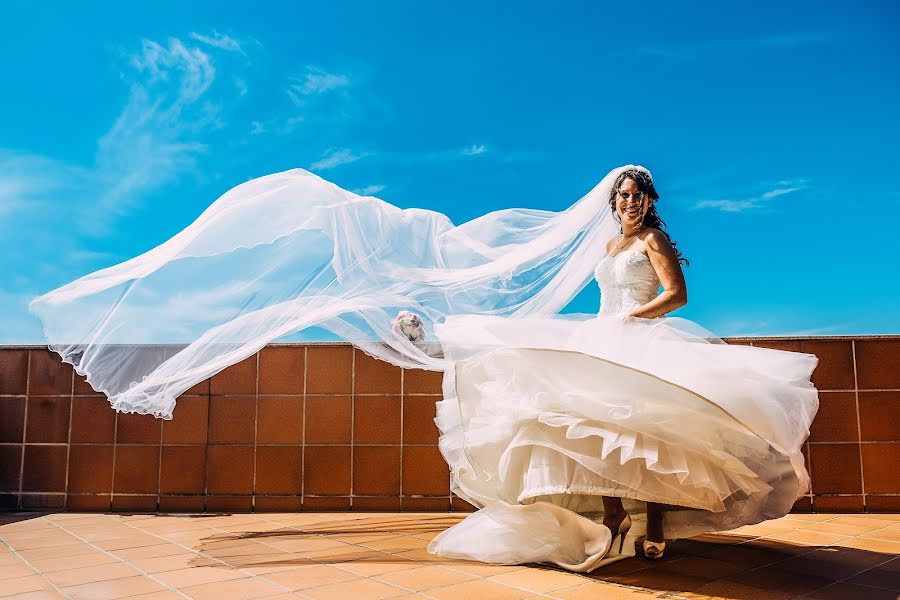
409,324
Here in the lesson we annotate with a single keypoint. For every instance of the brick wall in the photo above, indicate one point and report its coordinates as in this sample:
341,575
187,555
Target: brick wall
327,427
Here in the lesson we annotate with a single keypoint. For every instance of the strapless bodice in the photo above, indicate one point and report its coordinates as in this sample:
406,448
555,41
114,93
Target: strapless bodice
627,280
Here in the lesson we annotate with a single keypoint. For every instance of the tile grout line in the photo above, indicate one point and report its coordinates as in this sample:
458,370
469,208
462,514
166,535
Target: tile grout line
402,430
862,475
255,435
24,430
69,443
352,417
303,432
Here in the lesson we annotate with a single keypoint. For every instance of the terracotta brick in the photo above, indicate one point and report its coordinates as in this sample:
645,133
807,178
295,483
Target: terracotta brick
49,376
836,419
326,503
281,370
376,504
835,368
329,369
199,389
12,419
424,472
277,504
876,364
82,388
328,419
376,420
326,470
43,502
93,420
189,423
880,468
239,378
882,504
182,504
229,470
88,502
457,504
140,504
837,504
90,469
133,428
879,414
183,470
13,371
10,468
375,376
48,420
376,470
787,345
229,504
44,469
418,420
835,469
422,381
136,470
278,470
232,419
280,420
425,504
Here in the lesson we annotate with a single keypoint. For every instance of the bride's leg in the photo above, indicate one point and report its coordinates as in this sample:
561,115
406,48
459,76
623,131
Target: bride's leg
655,522
613,512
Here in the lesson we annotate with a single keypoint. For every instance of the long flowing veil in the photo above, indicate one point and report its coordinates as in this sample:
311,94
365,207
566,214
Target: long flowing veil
291,254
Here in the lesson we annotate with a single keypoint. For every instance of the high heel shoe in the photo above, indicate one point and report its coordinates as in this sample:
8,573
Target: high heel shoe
621,532
654,550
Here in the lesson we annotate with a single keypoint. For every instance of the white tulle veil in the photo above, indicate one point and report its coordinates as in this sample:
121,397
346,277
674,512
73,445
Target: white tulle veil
289,256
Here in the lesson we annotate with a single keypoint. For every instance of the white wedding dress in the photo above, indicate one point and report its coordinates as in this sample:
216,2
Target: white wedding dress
545,415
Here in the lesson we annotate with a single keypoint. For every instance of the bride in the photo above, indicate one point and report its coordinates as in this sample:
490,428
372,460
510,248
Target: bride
545,419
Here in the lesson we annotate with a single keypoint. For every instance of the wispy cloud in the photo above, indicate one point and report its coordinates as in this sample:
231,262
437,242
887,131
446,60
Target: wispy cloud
335,158
734,205
369,190
220,41
700,48
314,81
474,150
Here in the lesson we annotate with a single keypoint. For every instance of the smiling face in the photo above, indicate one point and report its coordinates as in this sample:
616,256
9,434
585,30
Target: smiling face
631,203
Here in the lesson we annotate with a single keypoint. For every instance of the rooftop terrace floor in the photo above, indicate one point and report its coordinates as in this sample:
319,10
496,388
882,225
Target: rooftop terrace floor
382,555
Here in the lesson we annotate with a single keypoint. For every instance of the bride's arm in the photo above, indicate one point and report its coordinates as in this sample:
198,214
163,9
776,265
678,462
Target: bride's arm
665,262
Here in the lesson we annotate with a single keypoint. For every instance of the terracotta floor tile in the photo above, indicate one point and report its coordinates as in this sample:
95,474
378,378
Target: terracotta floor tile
71,577
660,580
843,591
827,527
175,562
424,578
479,569
880,578
114,588
58,551
163,595
377,563
358,588
866,521
889,533
49,565
19,585
777,578
718,590
19,569
604,591
182,578
396,544
833,562
480,589
808,538
309,576
238,589
883,546
540,580
166,549
37,595
699,566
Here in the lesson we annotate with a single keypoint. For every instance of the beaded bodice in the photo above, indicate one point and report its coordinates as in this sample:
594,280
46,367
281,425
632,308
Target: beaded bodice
627,280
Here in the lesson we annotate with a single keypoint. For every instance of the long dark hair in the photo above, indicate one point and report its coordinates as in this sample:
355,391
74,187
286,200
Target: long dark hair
651,219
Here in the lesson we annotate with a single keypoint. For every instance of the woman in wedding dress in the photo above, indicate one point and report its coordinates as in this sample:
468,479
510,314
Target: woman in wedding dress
545,419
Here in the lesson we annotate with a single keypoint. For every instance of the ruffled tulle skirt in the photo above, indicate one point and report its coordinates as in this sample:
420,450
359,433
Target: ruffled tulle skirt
543,415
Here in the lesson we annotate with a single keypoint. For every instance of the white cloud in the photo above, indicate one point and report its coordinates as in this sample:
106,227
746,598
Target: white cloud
220,41
334,158
368,190
315,81
474,150
757,201
257,128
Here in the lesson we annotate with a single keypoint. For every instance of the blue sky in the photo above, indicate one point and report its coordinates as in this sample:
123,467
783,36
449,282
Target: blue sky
771,130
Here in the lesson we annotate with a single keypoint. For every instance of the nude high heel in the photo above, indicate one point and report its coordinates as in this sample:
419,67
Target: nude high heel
654,550
621,532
